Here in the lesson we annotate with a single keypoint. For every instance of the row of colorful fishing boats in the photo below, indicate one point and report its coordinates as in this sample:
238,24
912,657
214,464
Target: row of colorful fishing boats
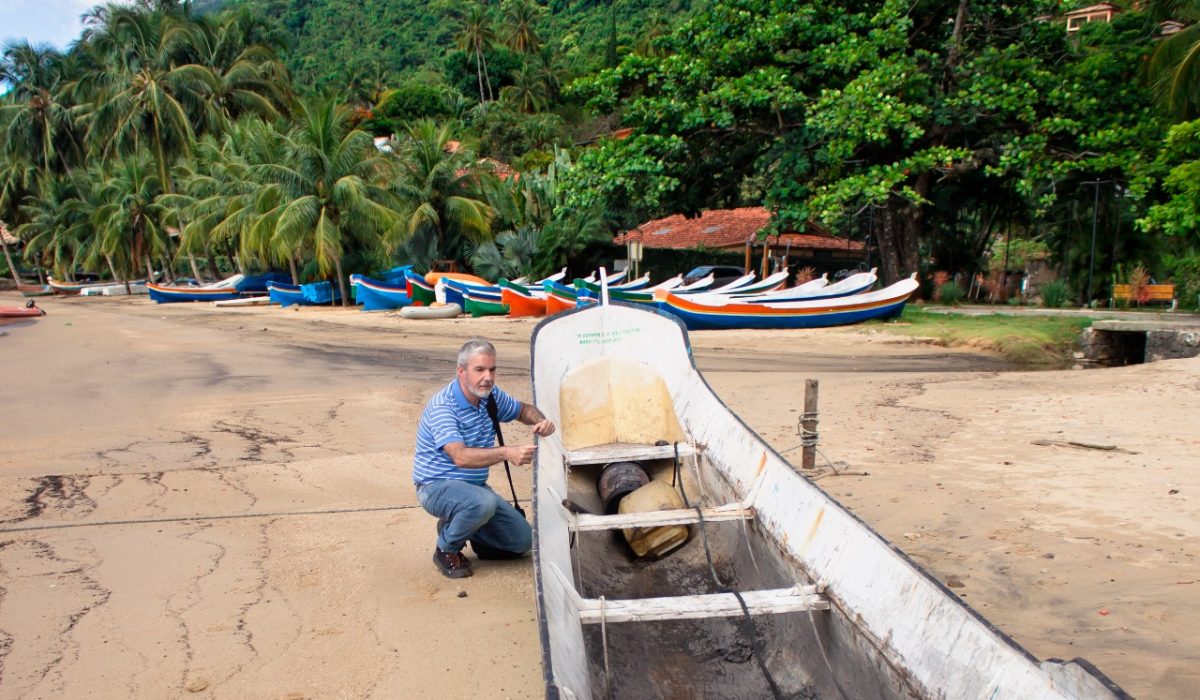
747,302
744,303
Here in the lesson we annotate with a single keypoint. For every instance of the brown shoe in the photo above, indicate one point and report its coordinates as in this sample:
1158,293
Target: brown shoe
452,564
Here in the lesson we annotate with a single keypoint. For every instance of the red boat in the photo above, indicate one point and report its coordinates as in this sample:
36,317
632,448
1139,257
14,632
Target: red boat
28,311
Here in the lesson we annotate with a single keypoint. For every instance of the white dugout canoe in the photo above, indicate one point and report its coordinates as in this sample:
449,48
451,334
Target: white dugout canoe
834,609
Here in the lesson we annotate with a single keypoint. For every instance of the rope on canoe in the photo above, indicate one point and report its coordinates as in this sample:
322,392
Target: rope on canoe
604,645
755,639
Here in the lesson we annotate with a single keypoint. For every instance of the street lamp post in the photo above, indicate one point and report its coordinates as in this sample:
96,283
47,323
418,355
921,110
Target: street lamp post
1095,217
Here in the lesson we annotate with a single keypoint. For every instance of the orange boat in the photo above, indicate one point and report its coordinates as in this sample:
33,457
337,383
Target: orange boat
433,277
559,298
520,301
30,310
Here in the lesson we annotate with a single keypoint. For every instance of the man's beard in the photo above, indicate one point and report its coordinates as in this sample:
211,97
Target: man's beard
480,392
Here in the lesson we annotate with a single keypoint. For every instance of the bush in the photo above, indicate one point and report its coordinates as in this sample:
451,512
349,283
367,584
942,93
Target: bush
1055,294
1185,273
952,293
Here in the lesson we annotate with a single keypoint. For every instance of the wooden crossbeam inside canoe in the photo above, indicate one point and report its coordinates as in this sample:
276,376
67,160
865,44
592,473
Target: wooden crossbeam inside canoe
682,516
624,452
775,601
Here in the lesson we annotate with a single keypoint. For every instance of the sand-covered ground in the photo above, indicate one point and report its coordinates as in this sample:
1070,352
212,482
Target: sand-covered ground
200,502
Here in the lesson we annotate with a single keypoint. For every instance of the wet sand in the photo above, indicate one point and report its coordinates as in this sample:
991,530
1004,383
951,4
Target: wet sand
201,502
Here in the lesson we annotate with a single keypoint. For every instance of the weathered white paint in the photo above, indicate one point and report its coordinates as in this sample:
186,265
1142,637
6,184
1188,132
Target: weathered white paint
938,645
689,607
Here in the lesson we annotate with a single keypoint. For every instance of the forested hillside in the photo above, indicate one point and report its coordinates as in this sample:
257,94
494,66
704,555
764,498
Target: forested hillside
331,40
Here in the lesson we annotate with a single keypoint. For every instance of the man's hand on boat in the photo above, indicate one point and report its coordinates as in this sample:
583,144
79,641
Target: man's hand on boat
520,454
531,416
484,457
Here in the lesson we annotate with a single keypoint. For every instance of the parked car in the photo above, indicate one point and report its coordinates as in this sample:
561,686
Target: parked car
722,274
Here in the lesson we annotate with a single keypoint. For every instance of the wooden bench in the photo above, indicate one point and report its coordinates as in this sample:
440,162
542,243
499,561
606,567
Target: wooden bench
1164,293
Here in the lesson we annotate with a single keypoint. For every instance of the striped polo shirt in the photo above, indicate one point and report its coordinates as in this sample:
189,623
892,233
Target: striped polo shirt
450,417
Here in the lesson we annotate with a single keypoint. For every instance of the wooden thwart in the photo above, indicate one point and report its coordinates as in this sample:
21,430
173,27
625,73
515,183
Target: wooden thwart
798,598
695,607
683,516
624,452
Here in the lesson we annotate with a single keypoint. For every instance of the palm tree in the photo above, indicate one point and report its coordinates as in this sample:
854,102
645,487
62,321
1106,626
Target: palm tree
49,238
328,194
511,255
536,206
528,91
239,49
1175,66
477,37
522,16
36,122
550,70
129,222
441,191
144,97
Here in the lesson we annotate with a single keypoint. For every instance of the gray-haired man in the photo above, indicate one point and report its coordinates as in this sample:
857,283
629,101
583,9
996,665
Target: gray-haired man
455,448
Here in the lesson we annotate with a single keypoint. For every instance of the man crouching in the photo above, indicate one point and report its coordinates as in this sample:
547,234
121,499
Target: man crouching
455,448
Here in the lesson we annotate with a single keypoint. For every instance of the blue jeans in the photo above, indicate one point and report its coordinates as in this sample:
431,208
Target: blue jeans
466,511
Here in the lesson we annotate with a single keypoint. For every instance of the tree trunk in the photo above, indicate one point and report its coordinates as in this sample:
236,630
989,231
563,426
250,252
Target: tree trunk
149,267
479,76
12,268
195,268
292,266
487,79
168,268
337,266
113,269
956,38
212,263
899,240
229,254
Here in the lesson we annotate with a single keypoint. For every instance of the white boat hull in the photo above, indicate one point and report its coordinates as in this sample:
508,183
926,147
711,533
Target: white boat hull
837,610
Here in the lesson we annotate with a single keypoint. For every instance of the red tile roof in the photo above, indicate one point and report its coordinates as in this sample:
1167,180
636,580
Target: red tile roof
727,228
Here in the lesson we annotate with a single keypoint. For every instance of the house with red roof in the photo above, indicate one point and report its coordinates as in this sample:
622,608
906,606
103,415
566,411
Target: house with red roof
732,230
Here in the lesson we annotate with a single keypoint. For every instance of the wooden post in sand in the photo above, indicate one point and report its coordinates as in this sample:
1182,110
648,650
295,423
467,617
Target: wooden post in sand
808,426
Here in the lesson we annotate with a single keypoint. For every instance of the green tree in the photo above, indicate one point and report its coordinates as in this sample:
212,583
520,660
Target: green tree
34,119
49,238
330,191
819,111
528,91
1174,67
476,37
441,191
521,17
129,223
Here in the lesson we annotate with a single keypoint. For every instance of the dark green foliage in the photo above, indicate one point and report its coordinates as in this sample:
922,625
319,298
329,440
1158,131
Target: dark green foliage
1185,273
1054,294
502,63
951,293
410,101
403,35
506,135
825,110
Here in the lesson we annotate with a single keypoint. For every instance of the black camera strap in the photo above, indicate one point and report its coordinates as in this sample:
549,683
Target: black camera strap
494,413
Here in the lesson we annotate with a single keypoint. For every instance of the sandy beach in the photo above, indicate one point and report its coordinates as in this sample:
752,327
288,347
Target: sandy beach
217,503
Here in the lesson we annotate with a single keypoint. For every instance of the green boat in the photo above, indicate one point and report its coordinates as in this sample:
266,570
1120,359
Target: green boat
484,307
421,293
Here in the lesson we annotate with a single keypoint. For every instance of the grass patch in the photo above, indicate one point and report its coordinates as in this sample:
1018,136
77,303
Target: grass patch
1026,340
